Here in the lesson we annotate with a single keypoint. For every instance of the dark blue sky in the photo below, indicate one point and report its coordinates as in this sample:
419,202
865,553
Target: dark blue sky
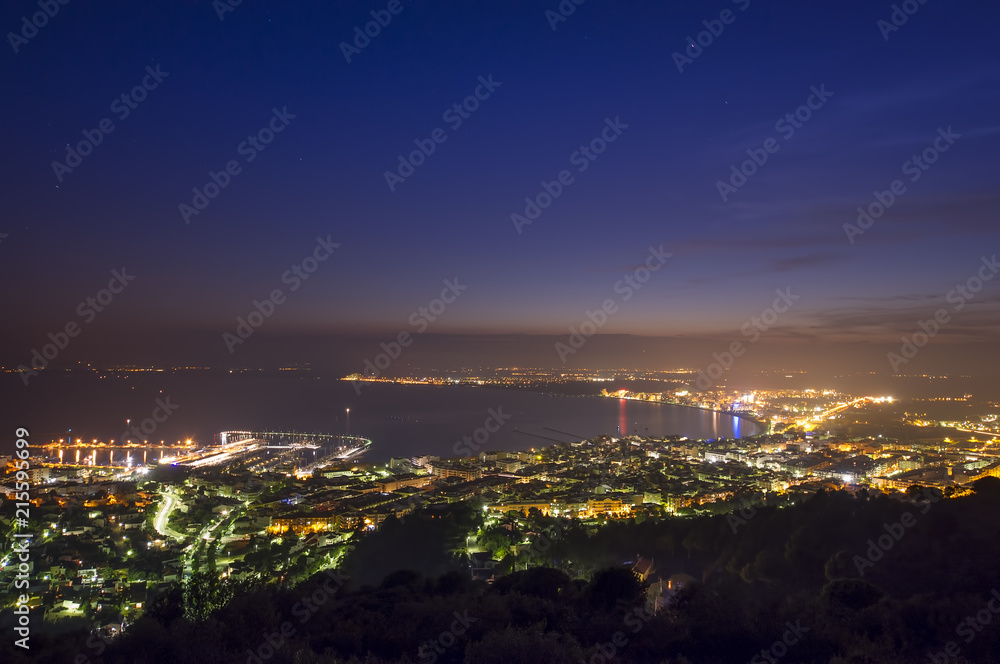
323,175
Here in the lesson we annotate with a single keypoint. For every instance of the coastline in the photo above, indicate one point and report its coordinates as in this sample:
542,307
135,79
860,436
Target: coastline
743,416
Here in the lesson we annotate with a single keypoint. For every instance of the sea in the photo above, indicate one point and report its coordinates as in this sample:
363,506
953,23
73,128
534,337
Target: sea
400,420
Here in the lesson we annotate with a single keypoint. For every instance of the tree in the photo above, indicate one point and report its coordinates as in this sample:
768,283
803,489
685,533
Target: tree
613,585
204,593
211,557
543,582
496,540
196,558
855,594
987,487
525,645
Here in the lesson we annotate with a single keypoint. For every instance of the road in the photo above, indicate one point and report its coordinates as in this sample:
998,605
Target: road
168,505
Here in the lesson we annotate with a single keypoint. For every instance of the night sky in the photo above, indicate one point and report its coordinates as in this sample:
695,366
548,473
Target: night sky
886,93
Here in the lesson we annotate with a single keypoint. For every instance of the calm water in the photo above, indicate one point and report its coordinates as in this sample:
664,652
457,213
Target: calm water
401,420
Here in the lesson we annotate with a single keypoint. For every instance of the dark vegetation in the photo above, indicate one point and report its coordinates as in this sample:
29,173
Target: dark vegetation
793,565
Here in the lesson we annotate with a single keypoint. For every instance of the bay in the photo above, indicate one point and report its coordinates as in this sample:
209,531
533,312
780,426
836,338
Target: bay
401,420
